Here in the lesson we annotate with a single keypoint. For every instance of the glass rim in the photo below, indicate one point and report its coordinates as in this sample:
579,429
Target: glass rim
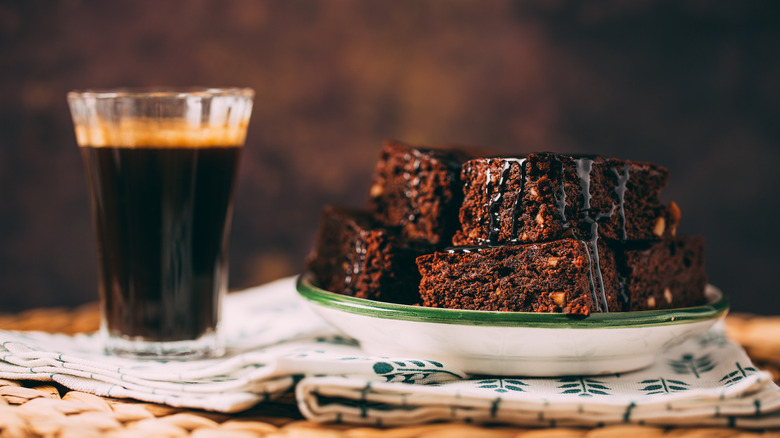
160,92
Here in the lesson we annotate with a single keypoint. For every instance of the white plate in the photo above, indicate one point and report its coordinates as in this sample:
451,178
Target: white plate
514,343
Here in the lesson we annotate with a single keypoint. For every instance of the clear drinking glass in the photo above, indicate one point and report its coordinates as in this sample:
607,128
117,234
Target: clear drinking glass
161,168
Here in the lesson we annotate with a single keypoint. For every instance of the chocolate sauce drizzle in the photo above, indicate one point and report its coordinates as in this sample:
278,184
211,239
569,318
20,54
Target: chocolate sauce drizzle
496,200
587,233
560,197
591,221
518,199
466,249
620,190
622,265
584,165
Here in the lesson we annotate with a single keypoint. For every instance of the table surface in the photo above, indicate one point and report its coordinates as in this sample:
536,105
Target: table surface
46,409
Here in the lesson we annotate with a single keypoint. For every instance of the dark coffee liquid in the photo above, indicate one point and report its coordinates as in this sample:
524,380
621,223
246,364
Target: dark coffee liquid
162,217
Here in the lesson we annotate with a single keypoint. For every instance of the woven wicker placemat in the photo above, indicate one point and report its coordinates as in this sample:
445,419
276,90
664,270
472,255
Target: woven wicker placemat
50,410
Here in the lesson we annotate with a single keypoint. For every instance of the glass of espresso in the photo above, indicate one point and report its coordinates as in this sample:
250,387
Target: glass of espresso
161,169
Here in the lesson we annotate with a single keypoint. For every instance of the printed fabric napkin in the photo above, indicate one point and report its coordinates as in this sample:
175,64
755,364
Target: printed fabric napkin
275,343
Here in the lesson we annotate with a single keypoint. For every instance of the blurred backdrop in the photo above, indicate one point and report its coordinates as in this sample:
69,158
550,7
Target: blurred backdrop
692,85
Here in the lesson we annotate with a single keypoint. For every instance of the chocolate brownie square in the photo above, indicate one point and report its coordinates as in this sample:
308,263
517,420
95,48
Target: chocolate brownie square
354,256
418,190
663,275
564,275
544,196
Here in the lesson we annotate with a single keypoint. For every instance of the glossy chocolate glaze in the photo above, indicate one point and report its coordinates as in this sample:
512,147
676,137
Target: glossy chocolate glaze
588,234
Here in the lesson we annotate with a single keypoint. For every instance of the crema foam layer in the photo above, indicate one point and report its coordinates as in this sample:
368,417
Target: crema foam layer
142,133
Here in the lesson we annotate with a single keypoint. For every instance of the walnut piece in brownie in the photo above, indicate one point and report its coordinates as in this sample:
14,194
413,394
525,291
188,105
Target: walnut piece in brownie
418,190
354,256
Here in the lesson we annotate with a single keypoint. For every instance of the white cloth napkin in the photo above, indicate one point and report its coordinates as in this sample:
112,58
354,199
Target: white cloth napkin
276,343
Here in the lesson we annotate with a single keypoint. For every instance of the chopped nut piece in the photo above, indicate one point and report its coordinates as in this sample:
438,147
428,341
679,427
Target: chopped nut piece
674,210
559,298
552,261
676,215
651,303
533,192
539,219
376,191
659,227
668,295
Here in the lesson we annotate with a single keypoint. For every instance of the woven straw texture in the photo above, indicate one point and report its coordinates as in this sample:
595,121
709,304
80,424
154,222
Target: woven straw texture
46,410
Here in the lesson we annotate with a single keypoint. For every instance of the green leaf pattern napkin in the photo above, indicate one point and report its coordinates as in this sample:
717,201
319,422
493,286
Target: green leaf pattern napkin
275,343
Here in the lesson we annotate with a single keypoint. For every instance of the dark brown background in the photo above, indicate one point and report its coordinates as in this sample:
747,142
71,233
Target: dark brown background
689,84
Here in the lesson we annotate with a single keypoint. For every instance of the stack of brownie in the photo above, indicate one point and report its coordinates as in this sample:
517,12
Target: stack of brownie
543,232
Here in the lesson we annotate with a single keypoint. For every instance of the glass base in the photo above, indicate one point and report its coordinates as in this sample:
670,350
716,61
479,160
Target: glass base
208,345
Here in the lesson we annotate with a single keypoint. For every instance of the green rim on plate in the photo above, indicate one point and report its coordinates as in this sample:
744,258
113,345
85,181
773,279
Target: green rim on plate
716,307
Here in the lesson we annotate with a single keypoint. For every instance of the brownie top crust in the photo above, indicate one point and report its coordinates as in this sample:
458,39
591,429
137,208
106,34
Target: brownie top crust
541,196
